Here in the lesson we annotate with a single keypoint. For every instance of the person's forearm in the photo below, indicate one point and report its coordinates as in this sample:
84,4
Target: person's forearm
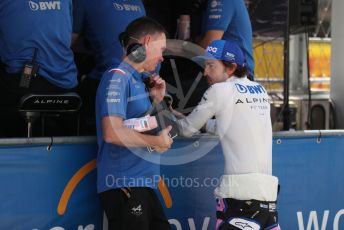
210,127
187,128
75,37
205,110
210,36
194,121
204,42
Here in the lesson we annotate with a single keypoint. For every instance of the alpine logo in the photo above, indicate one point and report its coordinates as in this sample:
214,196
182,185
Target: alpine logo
244,224
51,101
137,211
49,5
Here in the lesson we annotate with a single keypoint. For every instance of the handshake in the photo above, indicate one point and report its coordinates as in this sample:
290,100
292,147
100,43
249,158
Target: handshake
154,123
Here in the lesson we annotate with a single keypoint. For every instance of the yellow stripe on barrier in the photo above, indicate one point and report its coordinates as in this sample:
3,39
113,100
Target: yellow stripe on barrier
87,168
73,182
165,193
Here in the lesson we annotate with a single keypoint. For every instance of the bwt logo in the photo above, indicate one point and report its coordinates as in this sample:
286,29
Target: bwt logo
127,7
214,16
212,49
252,89
51,5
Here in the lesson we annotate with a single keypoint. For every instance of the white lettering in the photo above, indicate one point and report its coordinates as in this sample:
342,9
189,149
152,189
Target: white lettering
204,225
113,93
80,227
42,6
33,6
336,219
175,223
212,49
213,4
214,16
192,224
127,7
88,227
135,8
50,101
312,221
116,80
112,100
51,5
118,6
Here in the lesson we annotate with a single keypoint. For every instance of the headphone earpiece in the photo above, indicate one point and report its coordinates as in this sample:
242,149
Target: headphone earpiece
136,52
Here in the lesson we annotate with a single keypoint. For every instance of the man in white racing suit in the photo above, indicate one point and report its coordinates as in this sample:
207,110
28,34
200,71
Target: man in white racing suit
246,197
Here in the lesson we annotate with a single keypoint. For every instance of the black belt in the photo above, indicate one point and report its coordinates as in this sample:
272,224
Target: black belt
237,206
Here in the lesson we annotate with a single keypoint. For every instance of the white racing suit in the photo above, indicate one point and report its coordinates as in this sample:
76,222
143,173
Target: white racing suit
243,123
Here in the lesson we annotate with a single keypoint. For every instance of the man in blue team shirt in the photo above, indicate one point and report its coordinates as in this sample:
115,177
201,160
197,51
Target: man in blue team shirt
126,178
36,34
99,23
229,20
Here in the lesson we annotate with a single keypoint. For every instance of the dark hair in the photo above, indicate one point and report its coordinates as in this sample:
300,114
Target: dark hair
140,27
240,71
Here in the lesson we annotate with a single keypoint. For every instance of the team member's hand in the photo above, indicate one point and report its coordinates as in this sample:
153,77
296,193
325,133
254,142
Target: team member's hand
165,140
158,91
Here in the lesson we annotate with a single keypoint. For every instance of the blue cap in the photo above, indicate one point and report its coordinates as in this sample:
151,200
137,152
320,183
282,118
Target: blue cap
223,50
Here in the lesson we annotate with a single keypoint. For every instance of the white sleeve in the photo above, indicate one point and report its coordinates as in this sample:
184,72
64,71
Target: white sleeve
210,127
205,110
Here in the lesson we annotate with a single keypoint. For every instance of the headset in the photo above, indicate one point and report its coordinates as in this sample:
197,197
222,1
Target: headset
136,52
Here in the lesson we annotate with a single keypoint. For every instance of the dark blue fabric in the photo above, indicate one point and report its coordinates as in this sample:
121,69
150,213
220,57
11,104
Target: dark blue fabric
100,22
44,25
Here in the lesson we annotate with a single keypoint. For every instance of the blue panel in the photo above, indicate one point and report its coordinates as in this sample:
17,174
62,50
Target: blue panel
32,182
33,179
312,179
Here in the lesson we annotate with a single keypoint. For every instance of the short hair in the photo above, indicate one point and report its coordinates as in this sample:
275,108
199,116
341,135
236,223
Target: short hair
140,27
240,71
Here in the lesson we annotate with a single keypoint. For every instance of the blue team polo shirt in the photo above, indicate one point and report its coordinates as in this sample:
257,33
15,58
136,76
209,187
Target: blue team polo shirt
232,17
100,22
122,93
45,25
